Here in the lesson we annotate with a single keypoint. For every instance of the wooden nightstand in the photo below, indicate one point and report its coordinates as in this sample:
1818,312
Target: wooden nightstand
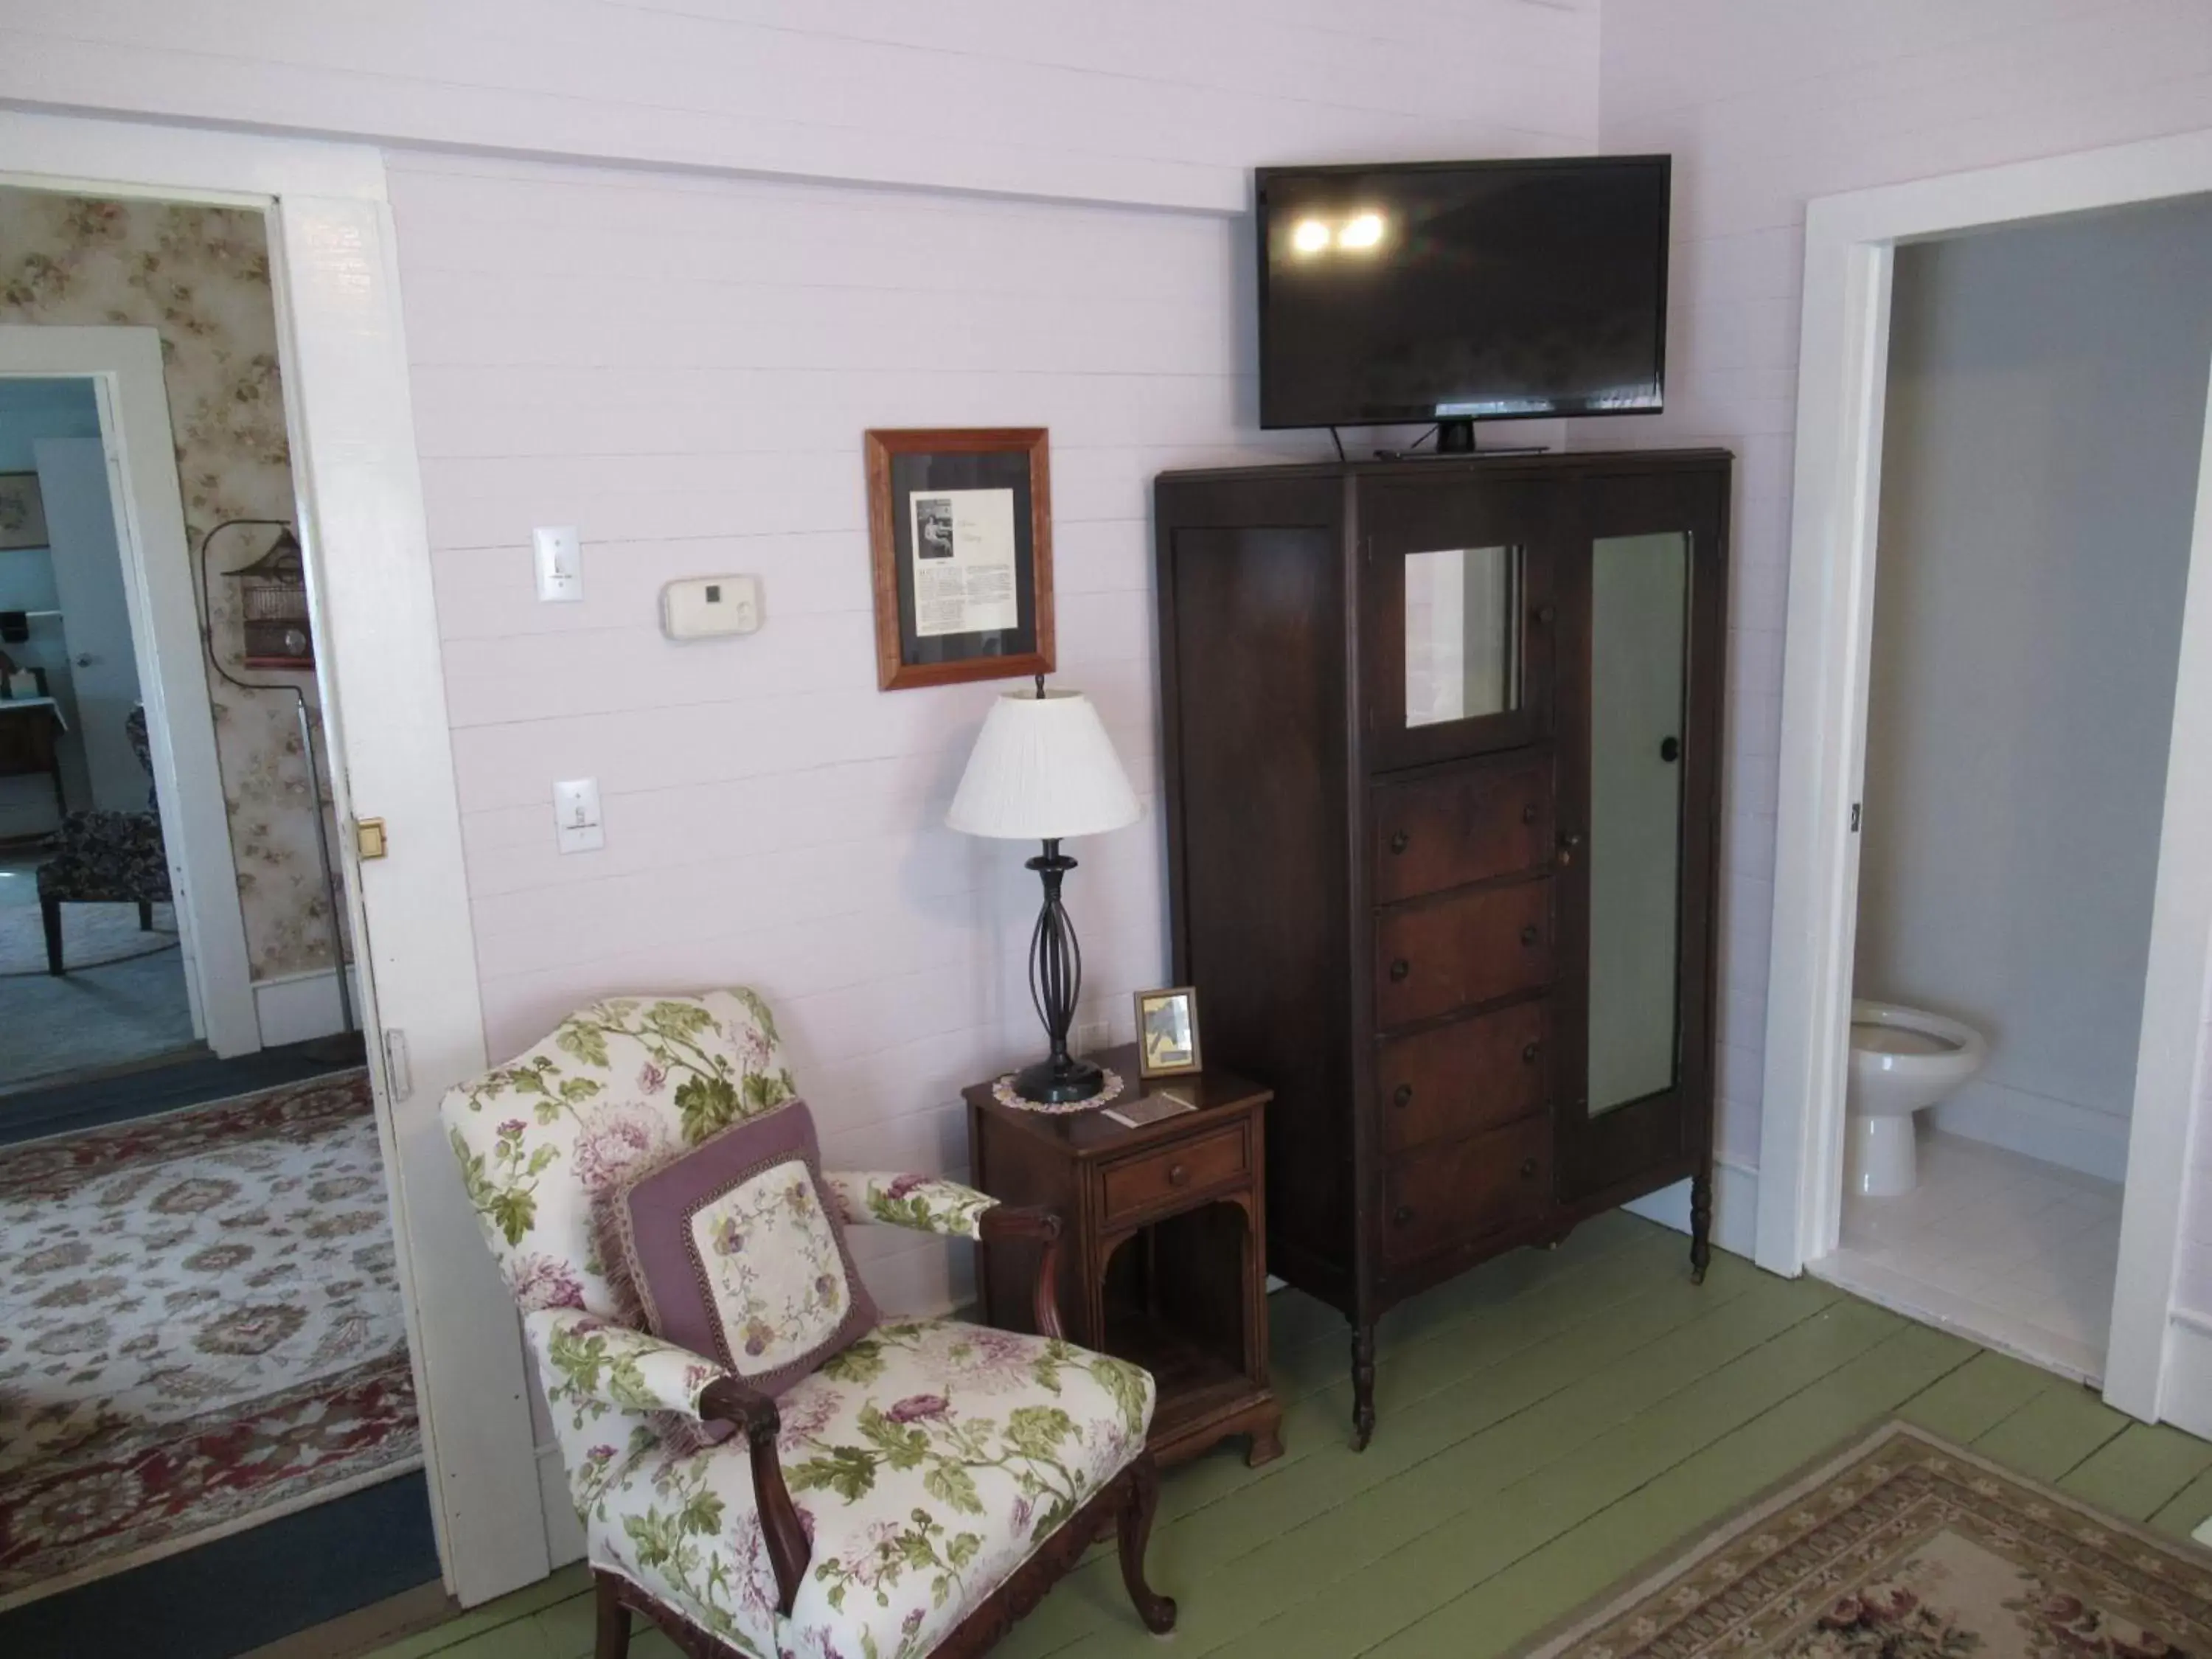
1164,1258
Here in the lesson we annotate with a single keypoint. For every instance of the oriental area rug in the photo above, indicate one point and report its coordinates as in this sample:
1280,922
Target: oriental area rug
200,1330
1910,1548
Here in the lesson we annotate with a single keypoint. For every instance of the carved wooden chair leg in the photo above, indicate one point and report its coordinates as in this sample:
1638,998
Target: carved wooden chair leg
1701,1224
1362,1386
1134,1527
614,1620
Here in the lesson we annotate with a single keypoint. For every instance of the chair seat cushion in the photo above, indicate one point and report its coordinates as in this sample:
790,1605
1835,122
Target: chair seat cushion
929,1461
735,1251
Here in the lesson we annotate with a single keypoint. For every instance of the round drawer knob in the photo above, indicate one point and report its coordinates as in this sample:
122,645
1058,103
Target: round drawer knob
1402,1095
1399,968
1546,614
1528,1167
1402,1214
1528,813
1529,935
1398,840
1178,1176
1529,1052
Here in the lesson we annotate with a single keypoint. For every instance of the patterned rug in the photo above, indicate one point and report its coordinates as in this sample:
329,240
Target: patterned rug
1909,1548
199,1330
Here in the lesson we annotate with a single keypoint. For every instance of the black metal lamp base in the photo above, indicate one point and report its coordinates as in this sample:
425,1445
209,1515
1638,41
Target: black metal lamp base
1057,1080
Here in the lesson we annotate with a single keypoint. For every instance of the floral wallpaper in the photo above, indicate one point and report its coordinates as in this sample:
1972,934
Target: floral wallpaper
200,274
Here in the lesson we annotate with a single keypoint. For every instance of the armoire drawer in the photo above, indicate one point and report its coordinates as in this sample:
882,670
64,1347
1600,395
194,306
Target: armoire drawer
1453,1194
1471,1075
1434,956
1463,826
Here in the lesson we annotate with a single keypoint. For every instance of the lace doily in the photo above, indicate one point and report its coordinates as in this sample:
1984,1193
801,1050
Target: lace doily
1003,1092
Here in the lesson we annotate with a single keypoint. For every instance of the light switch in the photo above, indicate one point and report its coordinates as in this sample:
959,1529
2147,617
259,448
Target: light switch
704,607
576,815
560,563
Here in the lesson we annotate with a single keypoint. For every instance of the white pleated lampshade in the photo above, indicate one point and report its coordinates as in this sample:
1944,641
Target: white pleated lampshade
1043,769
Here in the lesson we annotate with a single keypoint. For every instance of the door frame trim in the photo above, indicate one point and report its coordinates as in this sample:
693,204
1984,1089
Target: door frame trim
357,486
125,367
1843,370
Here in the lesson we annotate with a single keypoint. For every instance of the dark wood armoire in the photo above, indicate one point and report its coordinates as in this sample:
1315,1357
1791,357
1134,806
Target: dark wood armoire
1442,746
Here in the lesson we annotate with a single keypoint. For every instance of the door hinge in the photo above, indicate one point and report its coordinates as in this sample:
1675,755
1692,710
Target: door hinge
369,839
397,1078
1854,817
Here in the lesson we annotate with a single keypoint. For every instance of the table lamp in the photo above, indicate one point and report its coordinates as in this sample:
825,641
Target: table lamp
1044,770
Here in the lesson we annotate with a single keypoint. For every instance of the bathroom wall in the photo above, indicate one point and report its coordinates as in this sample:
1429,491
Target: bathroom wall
2046,400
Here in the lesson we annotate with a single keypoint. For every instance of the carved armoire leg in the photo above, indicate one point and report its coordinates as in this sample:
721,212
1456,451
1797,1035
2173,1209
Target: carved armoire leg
1133,1528
614,1620
1701,1224
1362,1386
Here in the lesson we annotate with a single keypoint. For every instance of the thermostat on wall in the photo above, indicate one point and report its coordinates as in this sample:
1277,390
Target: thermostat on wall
704,607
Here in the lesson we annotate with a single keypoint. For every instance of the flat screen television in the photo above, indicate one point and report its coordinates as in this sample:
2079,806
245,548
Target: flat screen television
1461,291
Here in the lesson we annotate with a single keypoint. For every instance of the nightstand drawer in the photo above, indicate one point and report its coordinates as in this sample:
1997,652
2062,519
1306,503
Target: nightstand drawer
1466,825
1139,1183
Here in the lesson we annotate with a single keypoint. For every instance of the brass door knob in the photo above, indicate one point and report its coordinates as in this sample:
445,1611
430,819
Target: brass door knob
1402,1095
1399,968
1569,844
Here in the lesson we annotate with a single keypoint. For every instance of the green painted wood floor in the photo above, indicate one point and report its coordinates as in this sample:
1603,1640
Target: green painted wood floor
1547,1423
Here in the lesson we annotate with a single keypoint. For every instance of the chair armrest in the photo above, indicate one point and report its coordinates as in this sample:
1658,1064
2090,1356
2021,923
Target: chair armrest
589,1357
922,1204
1033,1224
729,1399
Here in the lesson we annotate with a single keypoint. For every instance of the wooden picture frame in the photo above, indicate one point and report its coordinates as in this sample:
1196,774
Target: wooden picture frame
23,513
1148,1003
979,499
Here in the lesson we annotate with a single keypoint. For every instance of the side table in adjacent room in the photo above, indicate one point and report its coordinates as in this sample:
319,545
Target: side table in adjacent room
1162,1258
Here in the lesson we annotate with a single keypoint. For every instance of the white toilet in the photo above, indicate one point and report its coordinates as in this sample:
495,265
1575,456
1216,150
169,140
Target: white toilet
1902,1058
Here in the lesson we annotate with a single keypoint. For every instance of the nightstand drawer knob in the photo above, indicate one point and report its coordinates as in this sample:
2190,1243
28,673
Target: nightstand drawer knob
1402,1214
1529,1052
1178,1176
1399,841
1399,968
1530,934
1402,1095
1528,1168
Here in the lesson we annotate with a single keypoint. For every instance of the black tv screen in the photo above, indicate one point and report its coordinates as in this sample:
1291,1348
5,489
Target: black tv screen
1462,290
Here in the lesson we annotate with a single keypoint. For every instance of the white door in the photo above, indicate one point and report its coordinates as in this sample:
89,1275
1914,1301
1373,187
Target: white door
103,664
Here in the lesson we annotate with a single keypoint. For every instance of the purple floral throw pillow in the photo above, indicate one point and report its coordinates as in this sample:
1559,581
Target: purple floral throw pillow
737,1255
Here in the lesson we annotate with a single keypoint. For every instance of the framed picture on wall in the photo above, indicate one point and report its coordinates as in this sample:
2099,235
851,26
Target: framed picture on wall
960,539
22,512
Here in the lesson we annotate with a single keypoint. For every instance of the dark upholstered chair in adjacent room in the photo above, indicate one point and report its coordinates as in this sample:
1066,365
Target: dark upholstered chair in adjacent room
106,857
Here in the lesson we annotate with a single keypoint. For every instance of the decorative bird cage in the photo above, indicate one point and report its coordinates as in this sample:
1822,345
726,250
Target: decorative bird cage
273,601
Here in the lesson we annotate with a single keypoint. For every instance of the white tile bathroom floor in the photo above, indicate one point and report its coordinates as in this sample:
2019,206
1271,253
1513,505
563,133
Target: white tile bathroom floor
2016,1252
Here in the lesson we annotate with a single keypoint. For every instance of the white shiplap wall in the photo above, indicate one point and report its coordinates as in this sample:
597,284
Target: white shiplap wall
1154,101
683,367
1765,106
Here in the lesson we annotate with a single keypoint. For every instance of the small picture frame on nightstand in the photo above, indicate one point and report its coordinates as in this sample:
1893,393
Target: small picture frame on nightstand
1167,1032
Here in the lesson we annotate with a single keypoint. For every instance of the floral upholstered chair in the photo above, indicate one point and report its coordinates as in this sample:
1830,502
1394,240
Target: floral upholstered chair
913,1495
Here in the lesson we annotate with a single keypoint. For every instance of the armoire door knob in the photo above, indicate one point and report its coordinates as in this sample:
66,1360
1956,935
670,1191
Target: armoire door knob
1399,968
1528,813
1529,934
1570,844
1402,1095
1546,614
1402,1214
1528,1167
1529,1052
1399,841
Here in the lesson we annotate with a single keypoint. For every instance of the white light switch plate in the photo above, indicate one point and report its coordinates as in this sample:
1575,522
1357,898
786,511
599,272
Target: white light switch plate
560,563
576,815
708,607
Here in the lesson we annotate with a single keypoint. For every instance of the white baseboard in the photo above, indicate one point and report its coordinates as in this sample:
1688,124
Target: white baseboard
297,1006
2057,1131
564,1534
1735,1207
2185,1397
